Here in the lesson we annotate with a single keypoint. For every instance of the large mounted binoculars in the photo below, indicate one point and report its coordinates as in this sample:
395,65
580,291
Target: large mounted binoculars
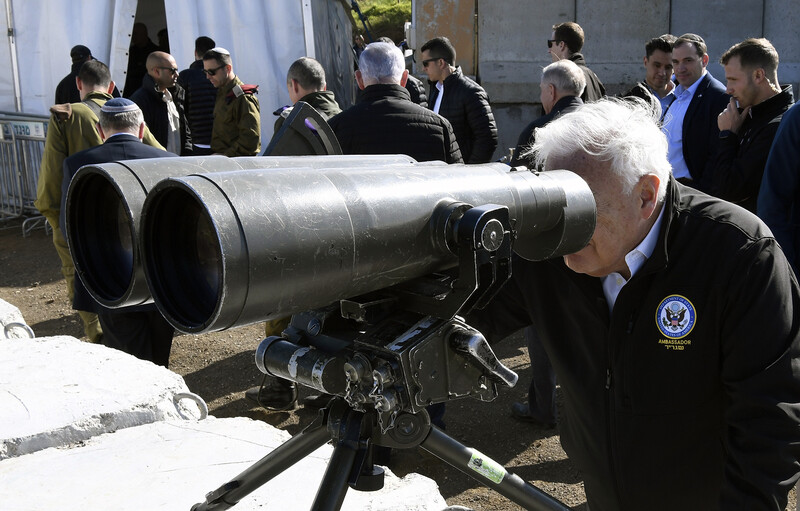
227,242
374,257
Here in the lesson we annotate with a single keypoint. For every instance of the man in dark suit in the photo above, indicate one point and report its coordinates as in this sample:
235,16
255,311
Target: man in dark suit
690,121
561,86
141,330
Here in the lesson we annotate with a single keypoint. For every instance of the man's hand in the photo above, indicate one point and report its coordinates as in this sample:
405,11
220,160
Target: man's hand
730,119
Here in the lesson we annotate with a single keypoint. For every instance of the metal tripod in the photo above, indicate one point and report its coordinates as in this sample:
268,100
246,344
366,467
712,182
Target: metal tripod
354,434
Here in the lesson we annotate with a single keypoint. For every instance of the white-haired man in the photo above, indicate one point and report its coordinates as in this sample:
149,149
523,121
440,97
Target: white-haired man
673,333
561,87
385,120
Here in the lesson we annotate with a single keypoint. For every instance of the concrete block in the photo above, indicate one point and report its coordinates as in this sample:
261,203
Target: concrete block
172,465
56,391
12,323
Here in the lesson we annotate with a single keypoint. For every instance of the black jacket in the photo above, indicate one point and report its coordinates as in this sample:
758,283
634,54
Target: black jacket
154,109
416,90
385,121
526,138
67,89
200,96
466,105
642,91
740,160
594,87
686,396
700,129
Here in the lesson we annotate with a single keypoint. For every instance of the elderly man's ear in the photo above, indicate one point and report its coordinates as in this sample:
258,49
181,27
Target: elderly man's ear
404,78
648,194
360,80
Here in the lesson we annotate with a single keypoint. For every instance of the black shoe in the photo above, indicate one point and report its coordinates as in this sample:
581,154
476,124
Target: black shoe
317,400
522,413
276,396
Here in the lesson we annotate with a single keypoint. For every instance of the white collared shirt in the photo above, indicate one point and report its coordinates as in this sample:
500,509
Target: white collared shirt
440,88
635,259
673,126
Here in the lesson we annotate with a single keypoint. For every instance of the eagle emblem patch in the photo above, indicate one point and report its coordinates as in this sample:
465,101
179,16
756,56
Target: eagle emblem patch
675,316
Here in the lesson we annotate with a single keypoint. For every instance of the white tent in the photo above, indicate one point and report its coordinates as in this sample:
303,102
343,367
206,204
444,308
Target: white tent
264,38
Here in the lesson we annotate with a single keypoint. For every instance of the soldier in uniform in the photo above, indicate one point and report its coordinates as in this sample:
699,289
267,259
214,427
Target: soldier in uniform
72,129
237,116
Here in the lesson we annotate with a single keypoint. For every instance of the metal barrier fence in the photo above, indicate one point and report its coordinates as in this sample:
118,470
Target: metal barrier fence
22,138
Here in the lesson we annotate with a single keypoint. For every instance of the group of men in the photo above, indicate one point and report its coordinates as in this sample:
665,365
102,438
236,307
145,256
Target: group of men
218,114
674,332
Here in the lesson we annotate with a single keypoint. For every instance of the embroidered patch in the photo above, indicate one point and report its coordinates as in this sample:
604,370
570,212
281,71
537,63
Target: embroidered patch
675,316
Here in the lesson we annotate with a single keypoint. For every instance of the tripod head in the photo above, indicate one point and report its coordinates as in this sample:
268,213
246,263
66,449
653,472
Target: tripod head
403,348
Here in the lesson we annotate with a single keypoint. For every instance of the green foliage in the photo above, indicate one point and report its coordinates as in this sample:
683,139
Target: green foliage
386,17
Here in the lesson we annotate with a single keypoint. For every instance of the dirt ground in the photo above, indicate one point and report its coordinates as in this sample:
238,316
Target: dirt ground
220,367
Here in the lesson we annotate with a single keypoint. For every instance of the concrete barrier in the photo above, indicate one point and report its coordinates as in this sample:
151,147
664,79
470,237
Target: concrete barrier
83,426
172,465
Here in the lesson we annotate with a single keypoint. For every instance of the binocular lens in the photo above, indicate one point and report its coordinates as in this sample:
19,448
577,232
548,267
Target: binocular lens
105,241
187,248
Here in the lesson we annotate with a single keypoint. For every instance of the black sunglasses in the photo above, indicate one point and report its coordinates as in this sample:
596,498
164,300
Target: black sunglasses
428,61
551,42
173,70
212,72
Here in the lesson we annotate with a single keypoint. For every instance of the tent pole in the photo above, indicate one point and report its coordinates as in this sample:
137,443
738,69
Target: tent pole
12,46
308,29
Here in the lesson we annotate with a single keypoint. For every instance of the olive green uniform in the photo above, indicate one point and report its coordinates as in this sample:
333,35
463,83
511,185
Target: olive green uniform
237,123
71,129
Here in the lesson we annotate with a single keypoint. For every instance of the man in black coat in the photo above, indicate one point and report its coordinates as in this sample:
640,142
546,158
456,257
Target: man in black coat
674,333
748,125
141,47
657,84
566,43
561,87
199,98
161,101
67,89
459,100
141,330
385,121
690,122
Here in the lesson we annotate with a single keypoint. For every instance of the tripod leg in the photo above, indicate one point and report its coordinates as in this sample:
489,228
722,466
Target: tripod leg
286,455
488,472
351,438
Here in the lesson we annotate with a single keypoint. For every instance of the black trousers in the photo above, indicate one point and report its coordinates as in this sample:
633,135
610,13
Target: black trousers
143,334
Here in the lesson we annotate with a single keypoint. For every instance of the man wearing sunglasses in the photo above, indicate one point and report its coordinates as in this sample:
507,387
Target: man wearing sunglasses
237,114
459,100
566,42
161,100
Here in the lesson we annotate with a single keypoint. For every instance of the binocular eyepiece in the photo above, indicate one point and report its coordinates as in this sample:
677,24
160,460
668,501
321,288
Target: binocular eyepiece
227,242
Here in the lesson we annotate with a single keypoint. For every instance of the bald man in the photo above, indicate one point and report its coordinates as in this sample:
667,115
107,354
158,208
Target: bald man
161,100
